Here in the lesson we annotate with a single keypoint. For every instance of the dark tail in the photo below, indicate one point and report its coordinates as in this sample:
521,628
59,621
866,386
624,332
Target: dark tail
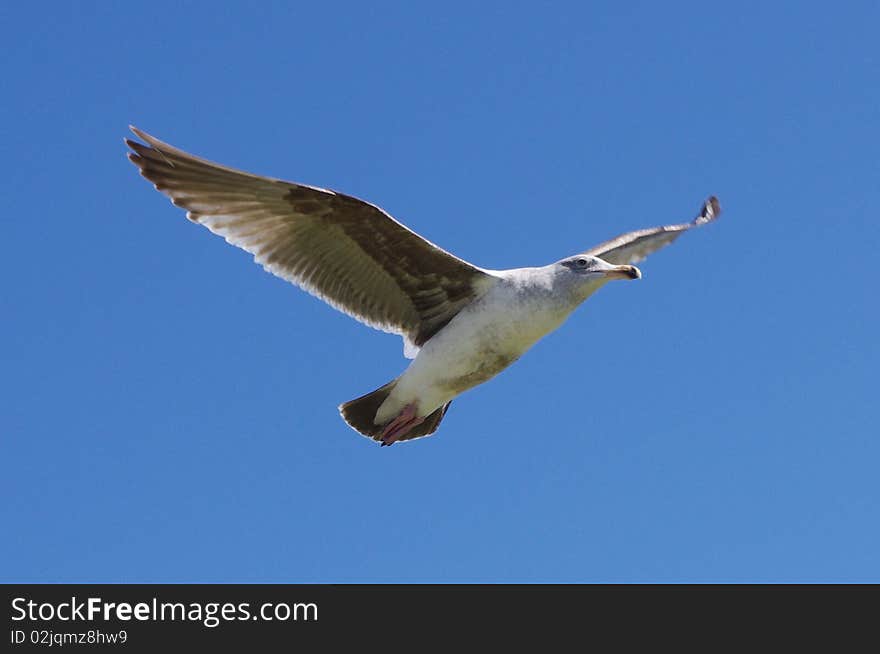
361,412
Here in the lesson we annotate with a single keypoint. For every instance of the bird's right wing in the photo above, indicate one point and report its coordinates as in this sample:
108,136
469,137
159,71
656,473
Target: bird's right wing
633,247
347,252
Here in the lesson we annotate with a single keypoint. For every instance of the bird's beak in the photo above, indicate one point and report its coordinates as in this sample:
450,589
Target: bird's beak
622,272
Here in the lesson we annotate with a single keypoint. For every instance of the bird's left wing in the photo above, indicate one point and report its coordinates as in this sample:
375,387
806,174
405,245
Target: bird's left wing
633,247
348,252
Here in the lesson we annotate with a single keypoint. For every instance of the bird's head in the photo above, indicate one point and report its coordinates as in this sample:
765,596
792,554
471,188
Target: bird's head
585,273
585,266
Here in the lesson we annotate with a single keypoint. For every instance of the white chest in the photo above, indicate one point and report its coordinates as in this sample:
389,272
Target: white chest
480,342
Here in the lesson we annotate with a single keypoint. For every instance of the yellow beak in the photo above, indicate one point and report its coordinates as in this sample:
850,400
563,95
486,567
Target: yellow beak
623,272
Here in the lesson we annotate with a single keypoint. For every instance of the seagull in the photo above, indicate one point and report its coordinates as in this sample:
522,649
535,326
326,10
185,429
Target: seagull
461,324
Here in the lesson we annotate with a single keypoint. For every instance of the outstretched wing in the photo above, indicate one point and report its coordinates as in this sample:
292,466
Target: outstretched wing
633,247
345,251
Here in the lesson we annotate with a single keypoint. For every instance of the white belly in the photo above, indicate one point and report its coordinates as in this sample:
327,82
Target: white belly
476,345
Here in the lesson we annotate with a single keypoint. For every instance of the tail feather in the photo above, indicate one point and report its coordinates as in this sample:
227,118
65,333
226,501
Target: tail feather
360,413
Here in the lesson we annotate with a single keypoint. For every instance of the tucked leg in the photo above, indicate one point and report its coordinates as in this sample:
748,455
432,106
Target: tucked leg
400,425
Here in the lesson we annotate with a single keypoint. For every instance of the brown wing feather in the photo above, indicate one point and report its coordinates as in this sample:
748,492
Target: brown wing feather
346,251
632,247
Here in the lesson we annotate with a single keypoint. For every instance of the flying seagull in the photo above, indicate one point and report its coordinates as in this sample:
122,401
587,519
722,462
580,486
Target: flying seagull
461,324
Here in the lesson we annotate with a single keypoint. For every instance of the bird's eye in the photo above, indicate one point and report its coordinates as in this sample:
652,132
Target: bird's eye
581,263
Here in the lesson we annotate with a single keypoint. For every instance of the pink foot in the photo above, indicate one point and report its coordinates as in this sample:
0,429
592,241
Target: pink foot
398,427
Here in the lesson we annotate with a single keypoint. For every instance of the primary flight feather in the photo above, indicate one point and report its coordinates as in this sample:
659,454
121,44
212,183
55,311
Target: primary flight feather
461,324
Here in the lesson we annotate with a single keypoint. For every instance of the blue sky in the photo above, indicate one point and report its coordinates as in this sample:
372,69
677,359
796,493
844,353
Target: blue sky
169,410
